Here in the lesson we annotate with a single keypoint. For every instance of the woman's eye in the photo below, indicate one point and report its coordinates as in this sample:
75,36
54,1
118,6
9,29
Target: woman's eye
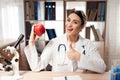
75,22
68,20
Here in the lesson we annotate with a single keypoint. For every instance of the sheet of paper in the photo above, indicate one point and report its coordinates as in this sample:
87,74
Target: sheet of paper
75,77
9,77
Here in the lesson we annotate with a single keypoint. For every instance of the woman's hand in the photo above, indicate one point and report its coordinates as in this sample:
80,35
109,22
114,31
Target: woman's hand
33,37
72,54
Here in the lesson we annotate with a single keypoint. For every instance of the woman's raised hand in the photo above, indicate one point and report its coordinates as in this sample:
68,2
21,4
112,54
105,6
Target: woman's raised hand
33,36
72,54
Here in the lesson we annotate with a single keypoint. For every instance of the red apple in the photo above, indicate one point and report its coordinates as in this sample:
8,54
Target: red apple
39,29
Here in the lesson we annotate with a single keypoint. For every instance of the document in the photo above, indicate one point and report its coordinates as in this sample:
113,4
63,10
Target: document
75,77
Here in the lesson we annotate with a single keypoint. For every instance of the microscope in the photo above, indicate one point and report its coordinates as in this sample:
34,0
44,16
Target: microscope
9,60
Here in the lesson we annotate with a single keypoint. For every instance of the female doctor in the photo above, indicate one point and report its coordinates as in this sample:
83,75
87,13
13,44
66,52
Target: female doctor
69,52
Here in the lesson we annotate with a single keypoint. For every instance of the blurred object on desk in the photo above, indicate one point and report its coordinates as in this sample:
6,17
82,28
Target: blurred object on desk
115,72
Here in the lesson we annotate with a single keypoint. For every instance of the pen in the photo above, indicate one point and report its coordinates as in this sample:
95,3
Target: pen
65,77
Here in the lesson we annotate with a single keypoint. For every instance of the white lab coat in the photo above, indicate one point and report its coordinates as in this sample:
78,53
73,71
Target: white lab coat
90,58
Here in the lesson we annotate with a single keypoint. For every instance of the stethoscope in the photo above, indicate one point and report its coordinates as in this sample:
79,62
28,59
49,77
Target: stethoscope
59,47
63,45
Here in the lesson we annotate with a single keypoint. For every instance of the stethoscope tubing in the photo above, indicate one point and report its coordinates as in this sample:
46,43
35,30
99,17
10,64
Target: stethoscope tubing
60,46
66,49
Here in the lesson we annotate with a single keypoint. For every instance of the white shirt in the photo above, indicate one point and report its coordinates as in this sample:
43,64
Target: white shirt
90,58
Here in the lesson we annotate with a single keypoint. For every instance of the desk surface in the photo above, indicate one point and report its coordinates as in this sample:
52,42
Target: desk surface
47,75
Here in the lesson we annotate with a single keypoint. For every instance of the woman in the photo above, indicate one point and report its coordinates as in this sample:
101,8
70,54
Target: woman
69,52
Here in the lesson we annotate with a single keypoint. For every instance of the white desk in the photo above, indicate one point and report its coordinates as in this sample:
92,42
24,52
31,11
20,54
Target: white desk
47,75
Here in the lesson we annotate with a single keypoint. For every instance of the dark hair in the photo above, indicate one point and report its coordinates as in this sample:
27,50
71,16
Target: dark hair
82,16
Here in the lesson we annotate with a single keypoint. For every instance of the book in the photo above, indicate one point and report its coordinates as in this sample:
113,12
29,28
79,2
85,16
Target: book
35,10
51,33
102,12
94,32
92,15
53,11
99,34
87,32
98,12
88,14
46,11
50,10
40,10
27,12
32,14
103,31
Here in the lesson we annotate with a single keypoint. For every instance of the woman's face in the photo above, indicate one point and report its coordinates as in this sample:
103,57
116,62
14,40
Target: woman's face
73,25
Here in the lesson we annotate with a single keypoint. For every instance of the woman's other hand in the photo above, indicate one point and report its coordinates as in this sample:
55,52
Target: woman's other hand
33,37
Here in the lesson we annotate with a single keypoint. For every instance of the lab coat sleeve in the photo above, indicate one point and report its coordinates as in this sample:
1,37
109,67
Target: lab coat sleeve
32,57
37,63
92,60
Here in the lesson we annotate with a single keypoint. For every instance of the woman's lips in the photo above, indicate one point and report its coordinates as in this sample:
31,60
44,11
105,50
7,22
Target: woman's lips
69,30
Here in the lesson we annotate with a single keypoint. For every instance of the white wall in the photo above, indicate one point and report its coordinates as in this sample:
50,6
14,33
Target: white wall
112,54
